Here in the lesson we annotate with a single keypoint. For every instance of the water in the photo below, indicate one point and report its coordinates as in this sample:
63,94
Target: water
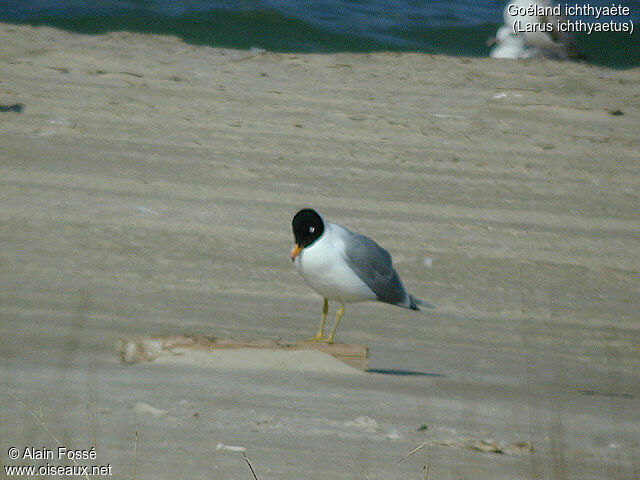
453,27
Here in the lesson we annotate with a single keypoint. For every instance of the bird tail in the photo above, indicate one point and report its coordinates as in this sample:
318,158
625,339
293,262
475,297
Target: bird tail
414,302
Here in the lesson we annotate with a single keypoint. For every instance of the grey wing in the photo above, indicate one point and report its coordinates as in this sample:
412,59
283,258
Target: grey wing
373,265
563,39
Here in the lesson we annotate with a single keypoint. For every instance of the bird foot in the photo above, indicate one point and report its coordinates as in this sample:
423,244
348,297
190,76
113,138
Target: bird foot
321,339
327,340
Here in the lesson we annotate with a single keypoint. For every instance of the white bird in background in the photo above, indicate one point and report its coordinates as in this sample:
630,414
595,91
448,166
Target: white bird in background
545,40
507,44
345,266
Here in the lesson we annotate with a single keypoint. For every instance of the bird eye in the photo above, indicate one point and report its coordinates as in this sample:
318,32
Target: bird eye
312,229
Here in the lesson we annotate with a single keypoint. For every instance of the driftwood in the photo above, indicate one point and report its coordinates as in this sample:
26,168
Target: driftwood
147,349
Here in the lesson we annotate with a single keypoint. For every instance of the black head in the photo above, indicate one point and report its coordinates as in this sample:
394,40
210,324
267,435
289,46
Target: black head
307,227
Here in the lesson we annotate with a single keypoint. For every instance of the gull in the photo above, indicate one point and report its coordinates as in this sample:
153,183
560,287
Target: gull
543,31
346,267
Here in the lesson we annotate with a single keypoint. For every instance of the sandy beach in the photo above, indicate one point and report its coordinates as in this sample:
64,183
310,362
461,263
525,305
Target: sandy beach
147,188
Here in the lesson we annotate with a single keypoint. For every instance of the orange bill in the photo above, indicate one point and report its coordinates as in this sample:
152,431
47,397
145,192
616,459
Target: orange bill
296,251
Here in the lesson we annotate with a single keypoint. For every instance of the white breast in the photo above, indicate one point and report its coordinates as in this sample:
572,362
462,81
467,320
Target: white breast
323,266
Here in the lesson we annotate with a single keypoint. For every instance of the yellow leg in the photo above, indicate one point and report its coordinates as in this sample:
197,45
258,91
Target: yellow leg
335,326
320,335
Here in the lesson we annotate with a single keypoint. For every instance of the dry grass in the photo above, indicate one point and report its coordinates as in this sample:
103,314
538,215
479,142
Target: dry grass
246,459
41,422
135,455
427,465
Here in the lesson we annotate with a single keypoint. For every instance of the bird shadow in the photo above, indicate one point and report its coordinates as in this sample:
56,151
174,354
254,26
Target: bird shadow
592,393
401,372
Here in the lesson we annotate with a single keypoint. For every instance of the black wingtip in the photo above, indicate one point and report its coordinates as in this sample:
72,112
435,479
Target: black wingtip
414,302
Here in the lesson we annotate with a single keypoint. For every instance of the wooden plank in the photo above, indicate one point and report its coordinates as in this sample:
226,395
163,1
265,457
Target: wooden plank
147,349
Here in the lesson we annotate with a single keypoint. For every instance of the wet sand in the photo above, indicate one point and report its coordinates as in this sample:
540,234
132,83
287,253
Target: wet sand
147,188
